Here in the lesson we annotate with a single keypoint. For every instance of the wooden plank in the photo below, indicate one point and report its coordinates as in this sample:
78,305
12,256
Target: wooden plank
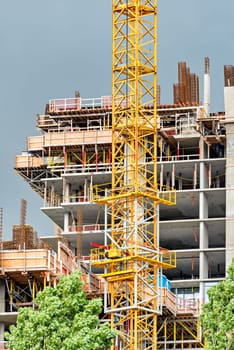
77,138
25,161
35,143
25,260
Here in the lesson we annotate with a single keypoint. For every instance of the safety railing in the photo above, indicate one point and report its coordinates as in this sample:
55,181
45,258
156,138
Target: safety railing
162,256
53,200
188,304
97,254
178,305
101,191
167,257
86,228
76,104
78,168
79,103
88,168
64,104
165,194
184,157
105,102
29,260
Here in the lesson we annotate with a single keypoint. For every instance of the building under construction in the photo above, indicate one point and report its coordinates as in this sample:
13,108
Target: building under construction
70,166
141,195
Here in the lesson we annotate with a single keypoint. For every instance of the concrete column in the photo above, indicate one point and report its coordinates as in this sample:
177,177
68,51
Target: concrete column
173,176
202,293
203,175
161,177
45,194
203,214
203,245
66,222
67,192
204,240
195,176
2,309
229,116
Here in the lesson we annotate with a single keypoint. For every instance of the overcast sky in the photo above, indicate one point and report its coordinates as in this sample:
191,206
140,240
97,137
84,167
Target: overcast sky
51,48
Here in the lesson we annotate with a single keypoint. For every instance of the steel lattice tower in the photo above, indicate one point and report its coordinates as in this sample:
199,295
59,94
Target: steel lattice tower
134,262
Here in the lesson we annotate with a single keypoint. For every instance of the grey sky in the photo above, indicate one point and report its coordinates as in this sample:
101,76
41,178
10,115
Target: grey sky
50,48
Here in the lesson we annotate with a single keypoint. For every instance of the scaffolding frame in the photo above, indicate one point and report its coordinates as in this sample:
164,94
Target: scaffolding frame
134,262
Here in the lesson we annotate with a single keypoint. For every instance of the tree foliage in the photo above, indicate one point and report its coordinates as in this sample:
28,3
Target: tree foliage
217,316
65,320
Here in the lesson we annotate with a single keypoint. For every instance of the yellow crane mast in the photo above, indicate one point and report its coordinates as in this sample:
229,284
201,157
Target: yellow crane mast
133,264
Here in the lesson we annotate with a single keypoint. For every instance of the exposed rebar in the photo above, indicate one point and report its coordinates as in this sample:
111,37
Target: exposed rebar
207,65
228,75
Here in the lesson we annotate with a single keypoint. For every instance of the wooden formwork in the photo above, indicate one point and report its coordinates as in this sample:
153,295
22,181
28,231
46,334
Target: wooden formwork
42,263
27,161
68,138
35,143
28,260
77,138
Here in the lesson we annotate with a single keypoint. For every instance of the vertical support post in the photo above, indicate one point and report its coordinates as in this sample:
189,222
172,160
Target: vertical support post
96,156
178,150
161,148
65,158
165,335
195,176
161,177
168,180
208,150
174,332
83,157
109,156
209,177
173,176
182,339
45,194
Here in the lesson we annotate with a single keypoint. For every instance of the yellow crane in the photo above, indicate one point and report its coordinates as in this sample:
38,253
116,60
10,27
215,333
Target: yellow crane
133,264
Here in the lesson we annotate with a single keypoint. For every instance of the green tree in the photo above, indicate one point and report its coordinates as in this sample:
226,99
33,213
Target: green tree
65,319
217,315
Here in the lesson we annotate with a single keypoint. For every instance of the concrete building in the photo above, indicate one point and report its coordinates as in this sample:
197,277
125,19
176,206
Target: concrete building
72,155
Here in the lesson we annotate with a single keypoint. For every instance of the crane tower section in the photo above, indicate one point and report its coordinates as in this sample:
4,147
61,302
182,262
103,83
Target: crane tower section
134,262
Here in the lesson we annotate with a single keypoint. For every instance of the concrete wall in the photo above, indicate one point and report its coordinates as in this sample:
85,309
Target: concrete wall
229,115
